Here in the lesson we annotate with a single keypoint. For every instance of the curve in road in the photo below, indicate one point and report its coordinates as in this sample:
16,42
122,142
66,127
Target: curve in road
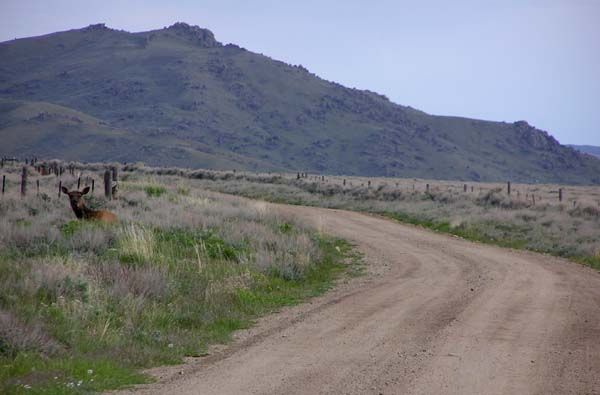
434,315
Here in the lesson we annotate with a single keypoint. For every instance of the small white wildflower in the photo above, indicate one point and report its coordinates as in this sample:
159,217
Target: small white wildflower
79,383
170,345
71,384
90,371
27,386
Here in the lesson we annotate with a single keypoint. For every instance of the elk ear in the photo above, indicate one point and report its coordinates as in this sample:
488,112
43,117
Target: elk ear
85,190
64,190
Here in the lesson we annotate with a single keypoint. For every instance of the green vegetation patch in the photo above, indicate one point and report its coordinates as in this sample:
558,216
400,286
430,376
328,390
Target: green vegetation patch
73,324
155,190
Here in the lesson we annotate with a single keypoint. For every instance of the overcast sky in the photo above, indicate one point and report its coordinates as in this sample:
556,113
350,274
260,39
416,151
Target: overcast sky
497,60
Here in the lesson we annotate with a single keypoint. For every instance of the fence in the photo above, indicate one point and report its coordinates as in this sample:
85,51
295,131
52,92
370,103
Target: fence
33,169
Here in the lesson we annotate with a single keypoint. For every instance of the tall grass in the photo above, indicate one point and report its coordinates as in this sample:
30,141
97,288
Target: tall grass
491,216
84,305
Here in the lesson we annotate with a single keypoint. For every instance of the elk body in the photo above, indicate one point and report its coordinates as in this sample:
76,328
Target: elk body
82,211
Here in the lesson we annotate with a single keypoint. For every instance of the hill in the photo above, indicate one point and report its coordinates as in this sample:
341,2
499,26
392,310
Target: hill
177,96
588,149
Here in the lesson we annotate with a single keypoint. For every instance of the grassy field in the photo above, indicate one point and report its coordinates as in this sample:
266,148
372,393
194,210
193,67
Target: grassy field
85,306
531,217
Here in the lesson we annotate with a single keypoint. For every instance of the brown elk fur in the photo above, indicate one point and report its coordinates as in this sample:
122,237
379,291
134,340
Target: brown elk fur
82,211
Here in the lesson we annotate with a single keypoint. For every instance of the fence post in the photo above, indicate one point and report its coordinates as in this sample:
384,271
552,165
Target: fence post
107,185
3,184
59,188
37,184
92,185
78,183
508,187
427,188
465,188
24,181
115,174
560,194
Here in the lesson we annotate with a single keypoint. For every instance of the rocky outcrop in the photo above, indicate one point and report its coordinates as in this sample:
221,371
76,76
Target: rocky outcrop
201,37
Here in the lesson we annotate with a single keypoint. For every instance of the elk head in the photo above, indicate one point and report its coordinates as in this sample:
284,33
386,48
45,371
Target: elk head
76,200
82,211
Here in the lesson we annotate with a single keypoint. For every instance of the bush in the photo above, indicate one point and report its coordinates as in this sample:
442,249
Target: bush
155,190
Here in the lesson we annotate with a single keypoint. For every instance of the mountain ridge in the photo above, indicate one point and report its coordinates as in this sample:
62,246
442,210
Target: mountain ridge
177,96
587,149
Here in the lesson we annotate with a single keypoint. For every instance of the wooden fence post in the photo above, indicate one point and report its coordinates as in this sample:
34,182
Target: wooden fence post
24,181
115,174
92,185
560,194
3,184
59,188
37,184
107,185
427,188
465,188
508,187
78,183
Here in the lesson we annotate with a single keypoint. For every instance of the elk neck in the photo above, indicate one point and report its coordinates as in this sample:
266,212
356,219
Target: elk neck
81,210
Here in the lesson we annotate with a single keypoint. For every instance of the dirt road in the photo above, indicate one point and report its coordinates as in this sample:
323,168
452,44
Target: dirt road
434,315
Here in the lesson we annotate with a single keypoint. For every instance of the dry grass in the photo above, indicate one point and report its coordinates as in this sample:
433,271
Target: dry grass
531,217
183,268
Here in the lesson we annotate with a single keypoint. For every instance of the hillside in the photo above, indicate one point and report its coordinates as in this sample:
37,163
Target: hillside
588,149
176,96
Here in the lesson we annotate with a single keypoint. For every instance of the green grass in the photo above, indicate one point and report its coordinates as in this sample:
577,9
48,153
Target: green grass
592,261
113,336
29,373
155,190
510,236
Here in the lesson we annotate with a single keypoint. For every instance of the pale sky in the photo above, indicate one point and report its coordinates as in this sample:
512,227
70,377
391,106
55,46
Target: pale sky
497,60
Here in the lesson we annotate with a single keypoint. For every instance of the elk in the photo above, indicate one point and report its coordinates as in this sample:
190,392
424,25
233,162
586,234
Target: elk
82,211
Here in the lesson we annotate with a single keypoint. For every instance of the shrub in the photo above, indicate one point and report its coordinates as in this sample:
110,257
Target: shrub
155,190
